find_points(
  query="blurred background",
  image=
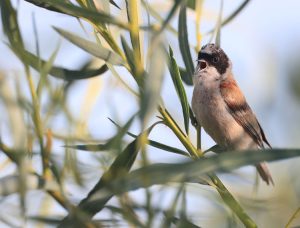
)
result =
(263, 44)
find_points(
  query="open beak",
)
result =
(202, 64)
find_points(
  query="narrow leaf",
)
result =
(158, 144)
(216, 148)
(62, 73)
(294, 216)
(185, 76)
(170, 15)
(130, 60)
(92, 48)
(45, 5)
(218, 26)
(150, 95)
(233, 14)
(113, 143)
(10, 25)
(175, 74)
(76, 11)
(89, 147)
(184, 172)
(115, 4)
(184, 43)
(163, 146)
(191, 4)
(120, 167)
(128, 215)
(129, 54)
(183, 222)
(46, 219)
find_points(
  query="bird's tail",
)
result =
(264, 172)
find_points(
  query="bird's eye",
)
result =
(216, 59)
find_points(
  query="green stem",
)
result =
(37, 123)
(292, 218)
(180, 135)
(232, 202)
(227, 197)
(133, 17)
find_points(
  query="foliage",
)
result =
(146, 66)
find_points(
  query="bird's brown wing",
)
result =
(241, 111)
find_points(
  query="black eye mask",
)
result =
(218, 59)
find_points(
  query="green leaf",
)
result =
(113, 143)
(218, 26)
(184, 43)
(129, 54)
(128, 215)
(76, 11)
(120, 167)
(186, 171)
(183, 222)
(115, 4)
(12, 31)
(92, 48)
(163, 146)
(89, 147)
(169, 213)
(10, 25)
(158, 144)
(46, 219)
(55, 220)
(185, 76)
(62, 73)
(294, 216)
(191, 4)
(150, 93)
(233, 14)
(45, 5)
(216, 148)
(44, 70)
(130, 60)
(175, 74)
(170, 15)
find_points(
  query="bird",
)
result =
(221, 108)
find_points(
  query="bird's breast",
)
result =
(211, 112)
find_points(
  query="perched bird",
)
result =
(221, 108)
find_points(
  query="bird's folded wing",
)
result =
(241, 111)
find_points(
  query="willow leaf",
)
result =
(170, 15)
(92, 48)
(186, 171)
(184, 43)
(63, 73)
(162, 146)
(150, 93)
(120, 167)
(175, 74)
(78, 12)
(114, 143)
(233, 14)
(185, 76)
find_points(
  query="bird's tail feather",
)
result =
(264, 172)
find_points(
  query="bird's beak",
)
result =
(202, 64)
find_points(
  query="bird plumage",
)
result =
(221, 108)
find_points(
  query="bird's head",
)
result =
(213, 63)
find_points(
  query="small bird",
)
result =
(221, 108)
